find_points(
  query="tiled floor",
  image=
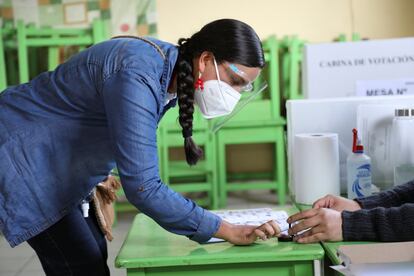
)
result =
(22, 260)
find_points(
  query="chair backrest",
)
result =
(342, 37)
(169, 123)
(31, 36)
(292, 55)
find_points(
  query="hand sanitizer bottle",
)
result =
(358, 170)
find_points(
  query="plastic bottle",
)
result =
(403, 147)
(358, 170)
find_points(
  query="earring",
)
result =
(199, 83)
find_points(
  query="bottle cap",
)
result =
(359, 148)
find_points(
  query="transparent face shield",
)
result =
(256, 89)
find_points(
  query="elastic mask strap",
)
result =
(215, 66)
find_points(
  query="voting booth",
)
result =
(360, 68)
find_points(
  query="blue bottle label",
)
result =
(362, 184)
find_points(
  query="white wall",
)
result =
(312, 20)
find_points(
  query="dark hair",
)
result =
(229, 40)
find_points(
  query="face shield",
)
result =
(247, 95)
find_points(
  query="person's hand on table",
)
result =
(337, 203)
(247, 234)
(321, 224)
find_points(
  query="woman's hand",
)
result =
(247, 234)
(321, 224)
(337, 203)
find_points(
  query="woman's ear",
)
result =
(203, 60)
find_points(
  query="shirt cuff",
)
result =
(356, 226)
(368, 202)
(208, 226)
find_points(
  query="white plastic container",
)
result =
(359, 177)
(403, 146)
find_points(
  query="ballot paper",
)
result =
(253, 217)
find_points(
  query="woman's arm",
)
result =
(131, 102)
(391, 198)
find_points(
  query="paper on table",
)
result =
(254, 217)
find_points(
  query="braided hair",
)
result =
(185, 94)
(228, 40)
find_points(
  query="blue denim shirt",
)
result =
(61, 133)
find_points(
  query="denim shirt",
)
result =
(61, 134)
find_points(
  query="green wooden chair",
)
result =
(177, 173)
(10, 52)
(3, 79)
(258, 122)
(292, 54)
(342, 37)
(30, 36)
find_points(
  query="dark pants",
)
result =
(73, 246)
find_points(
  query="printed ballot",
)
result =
(253, 217)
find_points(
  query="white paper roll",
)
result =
(316, 166)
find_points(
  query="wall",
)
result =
(312, 20)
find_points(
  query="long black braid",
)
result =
(185, 94)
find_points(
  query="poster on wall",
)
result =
(26, 10)
(133, 17)
(121, 17)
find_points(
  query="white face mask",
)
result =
(217, 99)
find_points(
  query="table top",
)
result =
(149, 245)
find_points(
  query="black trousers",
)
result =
(73, 246)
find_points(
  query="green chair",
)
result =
(3, 79)
(10, 51)
(177, 173)
(258, 122)
(342, 37)
(292, 49)
(30, 36)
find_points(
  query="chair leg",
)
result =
(53, 58)
(214, 194)
(22, 53)
(3, 80)
(281, 167)
(222, 179)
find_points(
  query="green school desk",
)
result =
(150, 250)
